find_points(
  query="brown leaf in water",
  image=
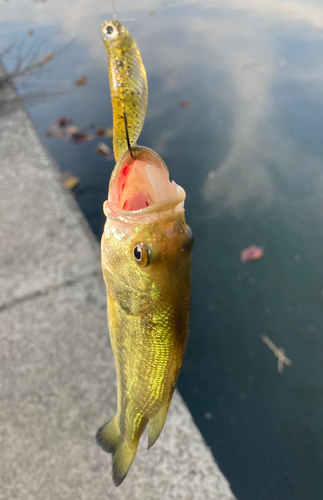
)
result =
(60, 133)
(109, 132)
(100, 131)
(81, 81)
(185, 104)
(70, 181)
(80, 136)
(102, 149)
(30, 32)
(63, 121)
(251, 254)
(72, 130)
(46, 58)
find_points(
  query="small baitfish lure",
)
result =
(128, 85)
(146, 253)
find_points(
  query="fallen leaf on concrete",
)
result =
(251, 254)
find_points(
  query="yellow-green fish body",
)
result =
(128, 85)
(146, 261)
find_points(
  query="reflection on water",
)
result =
(249, 152)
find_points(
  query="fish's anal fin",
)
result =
(156, 424)
(108, 437)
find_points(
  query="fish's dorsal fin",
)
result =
(156, 424)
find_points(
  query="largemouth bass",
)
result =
(146, 260)
(128, 85)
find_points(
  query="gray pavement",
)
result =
(57, 376)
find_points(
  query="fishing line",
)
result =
(114, 11)
(127, 134)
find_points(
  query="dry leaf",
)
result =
(46, 58)
(70, 181)
(102, 149)
(81, 81)
(109, 132)
(100, 131)
(185, 104)
(63, 121)
(251, 254)
(78, 137)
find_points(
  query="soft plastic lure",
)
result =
(128, 85)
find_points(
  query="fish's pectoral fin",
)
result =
(108, 437)
(156, 424)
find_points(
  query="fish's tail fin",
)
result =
(123, 453)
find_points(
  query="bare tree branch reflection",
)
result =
(29, 64)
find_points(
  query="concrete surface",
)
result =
(57, 377)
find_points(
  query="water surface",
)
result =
(249, 153)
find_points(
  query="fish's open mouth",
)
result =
(142, 183)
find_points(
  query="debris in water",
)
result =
(81, 136)
(279, 353)
(30, 32)
(251, 254)
(70, 181)
(81, 81)
(72, 130)
(109, 132)
(152, 12)
(185, 104)
(103, 149)
(64, 121)
(100, 131)
(56, 128)
(172, 72)
(46, 58)
(208, 415)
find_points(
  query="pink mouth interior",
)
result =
(141, 184)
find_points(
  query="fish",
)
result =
(128, 86)
(146, 253)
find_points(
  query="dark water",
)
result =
(249, 153)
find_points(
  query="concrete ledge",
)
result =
(57, 377)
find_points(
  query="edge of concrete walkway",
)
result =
(57, 376)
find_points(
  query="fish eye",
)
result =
(141, 254)
(109, 32)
